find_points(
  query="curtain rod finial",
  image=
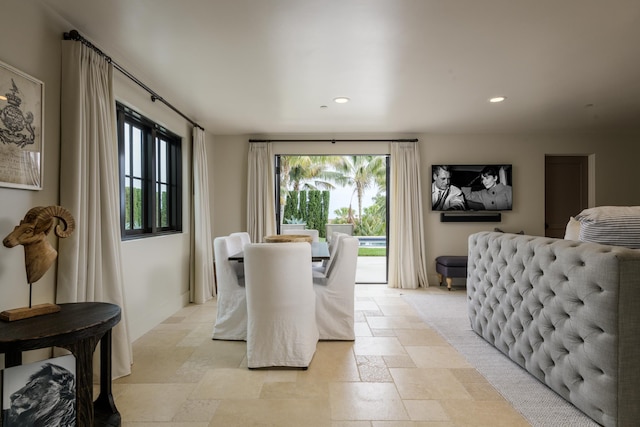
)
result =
(72, 35)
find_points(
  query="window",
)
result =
(150, 176)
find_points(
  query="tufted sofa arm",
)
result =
(567, 312)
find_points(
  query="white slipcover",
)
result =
(231, 319)
(334, 292)
(307, 232)
(235, 244)
(325, 267)
(244, 236)
(281, 329)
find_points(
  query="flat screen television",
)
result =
(471, 188)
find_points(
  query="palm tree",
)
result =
(359, 172)
(343, 216)
(305, 172)
(299, 173)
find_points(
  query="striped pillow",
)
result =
(611, 225)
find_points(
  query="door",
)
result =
(566, 191)
(367, 216)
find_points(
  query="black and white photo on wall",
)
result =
(40, 394)
(468, 188)
(21, 129)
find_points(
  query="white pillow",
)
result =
(611, 225)
(573, 229)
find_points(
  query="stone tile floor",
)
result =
(398, 372)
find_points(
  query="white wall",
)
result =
(156, 270)
(228, 192)
(30, 42)
(615, 161)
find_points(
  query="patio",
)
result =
(371, 269)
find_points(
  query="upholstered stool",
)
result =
(450, 266)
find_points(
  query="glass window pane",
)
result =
(137, 204)
(157, 160)
(137, 152)
(127, 149)
(127, 205)
(162, 200)
(163, 160)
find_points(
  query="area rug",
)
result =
(446, 312)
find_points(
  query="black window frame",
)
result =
(152, 136)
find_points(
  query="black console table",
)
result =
(78, 328)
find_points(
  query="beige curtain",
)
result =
(89, 262)
(261, 211)
(407, 257)
(202, 281)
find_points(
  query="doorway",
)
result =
(345, 193)
(566, 191)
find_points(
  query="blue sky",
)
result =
(340, 199)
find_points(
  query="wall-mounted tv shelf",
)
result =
(470, 217)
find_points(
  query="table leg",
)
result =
(12, 358)
(105, 408)
(83, 351)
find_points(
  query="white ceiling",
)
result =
(409, 66)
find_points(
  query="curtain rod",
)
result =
(74, 35)
(333, 141)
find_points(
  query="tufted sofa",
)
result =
(566, 311)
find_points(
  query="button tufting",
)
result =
(532, 294)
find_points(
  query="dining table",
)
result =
(319, 252)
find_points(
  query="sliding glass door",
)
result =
(338, 193)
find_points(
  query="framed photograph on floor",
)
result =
(40, 394)
(21, 129)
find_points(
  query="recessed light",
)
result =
(341, 100)
(497, 99)
(323, 106)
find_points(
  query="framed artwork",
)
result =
(40, 394)
(21, 129)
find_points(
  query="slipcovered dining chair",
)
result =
(335, 292)
(321, 269)
(244, 236)
(315, 236)
(231, 318)
(281, 328)
(236, 242)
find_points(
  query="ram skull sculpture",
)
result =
(32, 233)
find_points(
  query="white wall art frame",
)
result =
(21, 129)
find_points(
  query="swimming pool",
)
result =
(373, 241)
